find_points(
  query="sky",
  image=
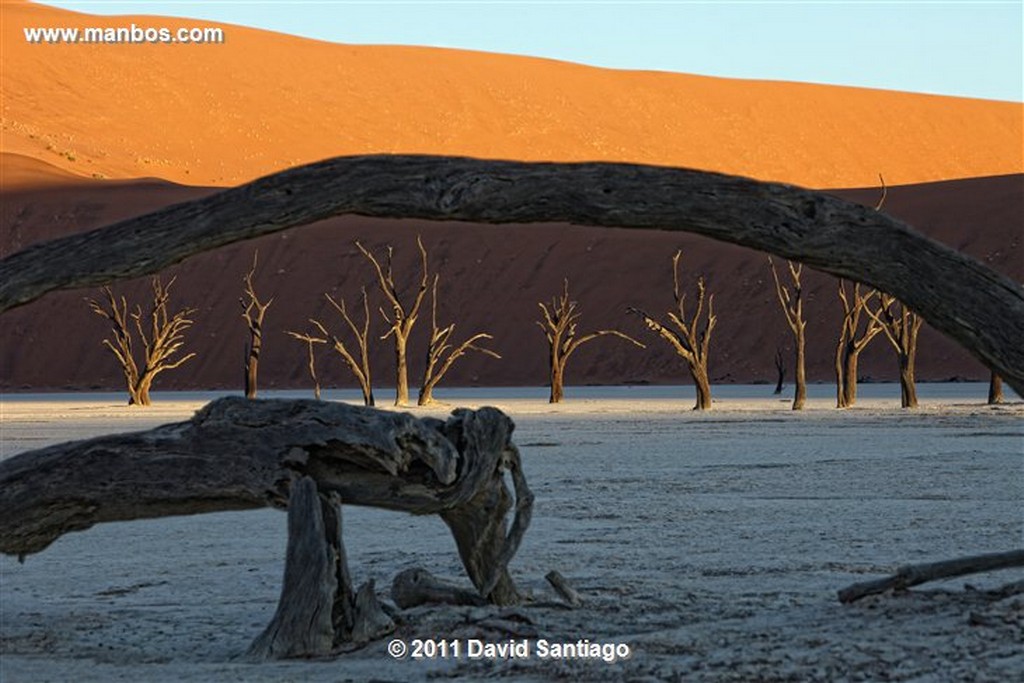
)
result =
(969, 48)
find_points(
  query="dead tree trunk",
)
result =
(440, 344)
(780, 372)
(995, 389)
(852, 341)
(318, 611)
(253, 311)
(359, 367)
(793, 309)
(310, 358)
(304, 623)
(240, 454)
(978, 307)
(402, 318)
(559, 327)
(164, 340)
(692, 337)
(901, 329)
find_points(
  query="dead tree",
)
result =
(780, 371)
(253, 311)
(308, 456)
(901, 328)
(164, 339)
(995, 389)
(440, 344)
(691, 337)
(980, 308)
(559, 327)
(916, 574)
(852, 340)
(793, 308)
(403, 317)
(359, 366)
(311, 357)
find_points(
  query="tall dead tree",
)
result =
(559, 327)
(901, 327)
(995, 389)
(253, 311)
(358, 365)
(311, 357)
(780, 371)
(159, 346)
(793, 308)
(440, 344)
(691, 337)
(403, 317)
(852, 340)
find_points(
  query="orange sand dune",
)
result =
(223, 114)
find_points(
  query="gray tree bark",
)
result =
(239, 454)
(916, 574)
(957, 295)
(303, 625)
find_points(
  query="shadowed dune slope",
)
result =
(221, 114)
(491, 278)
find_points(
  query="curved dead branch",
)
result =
(978, 307)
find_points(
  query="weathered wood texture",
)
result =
(416, 586)
(981, 309)
(238, 454)
(916, 574)
(562, 587)
(303, 625)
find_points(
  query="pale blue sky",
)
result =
(970, 48)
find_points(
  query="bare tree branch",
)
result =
(559, 328)
(360, 367)
(691, 337)
(311, 358)
(440, 345)
(793, 309)
(164, 340)
(253, 312)
(403, 317)
(901, 328)
(852, 340)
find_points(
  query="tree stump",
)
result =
(304, 624)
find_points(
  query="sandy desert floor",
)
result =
(711, 544)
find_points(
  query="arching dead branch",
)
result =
(976, 306)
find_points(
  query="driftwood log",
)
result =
(308, 456)
(417, 586)
(916, 574)
(981, 309)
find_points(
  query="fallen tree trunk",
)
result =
(236, 454)
(916, 574)
(979, 308)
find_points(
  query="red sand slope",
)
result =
(492, 278)
(223, 114)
